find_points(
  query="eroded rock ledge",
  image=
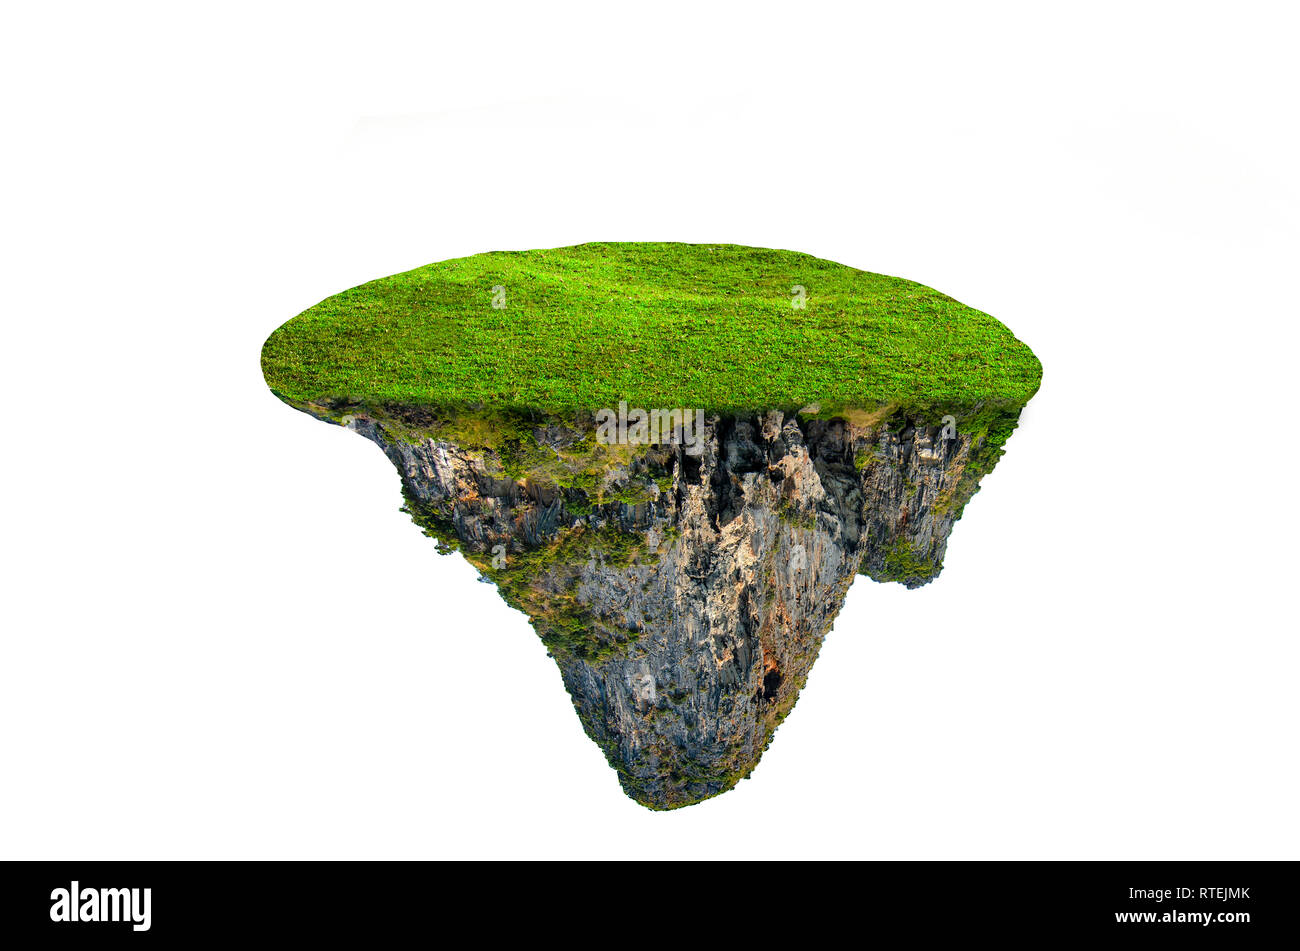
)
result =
(685, 599)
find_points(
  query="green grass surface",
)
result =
(658, 325)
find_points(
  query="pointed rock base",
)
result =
(685, 597)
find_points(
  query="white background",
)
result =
(222, 639)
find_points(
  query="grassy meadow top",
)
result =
(714, 327)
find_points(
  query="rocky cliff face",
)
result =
(685, 598)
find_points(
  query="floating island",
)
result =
(674, 458)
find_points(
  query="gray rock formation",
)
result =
(685, 622)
